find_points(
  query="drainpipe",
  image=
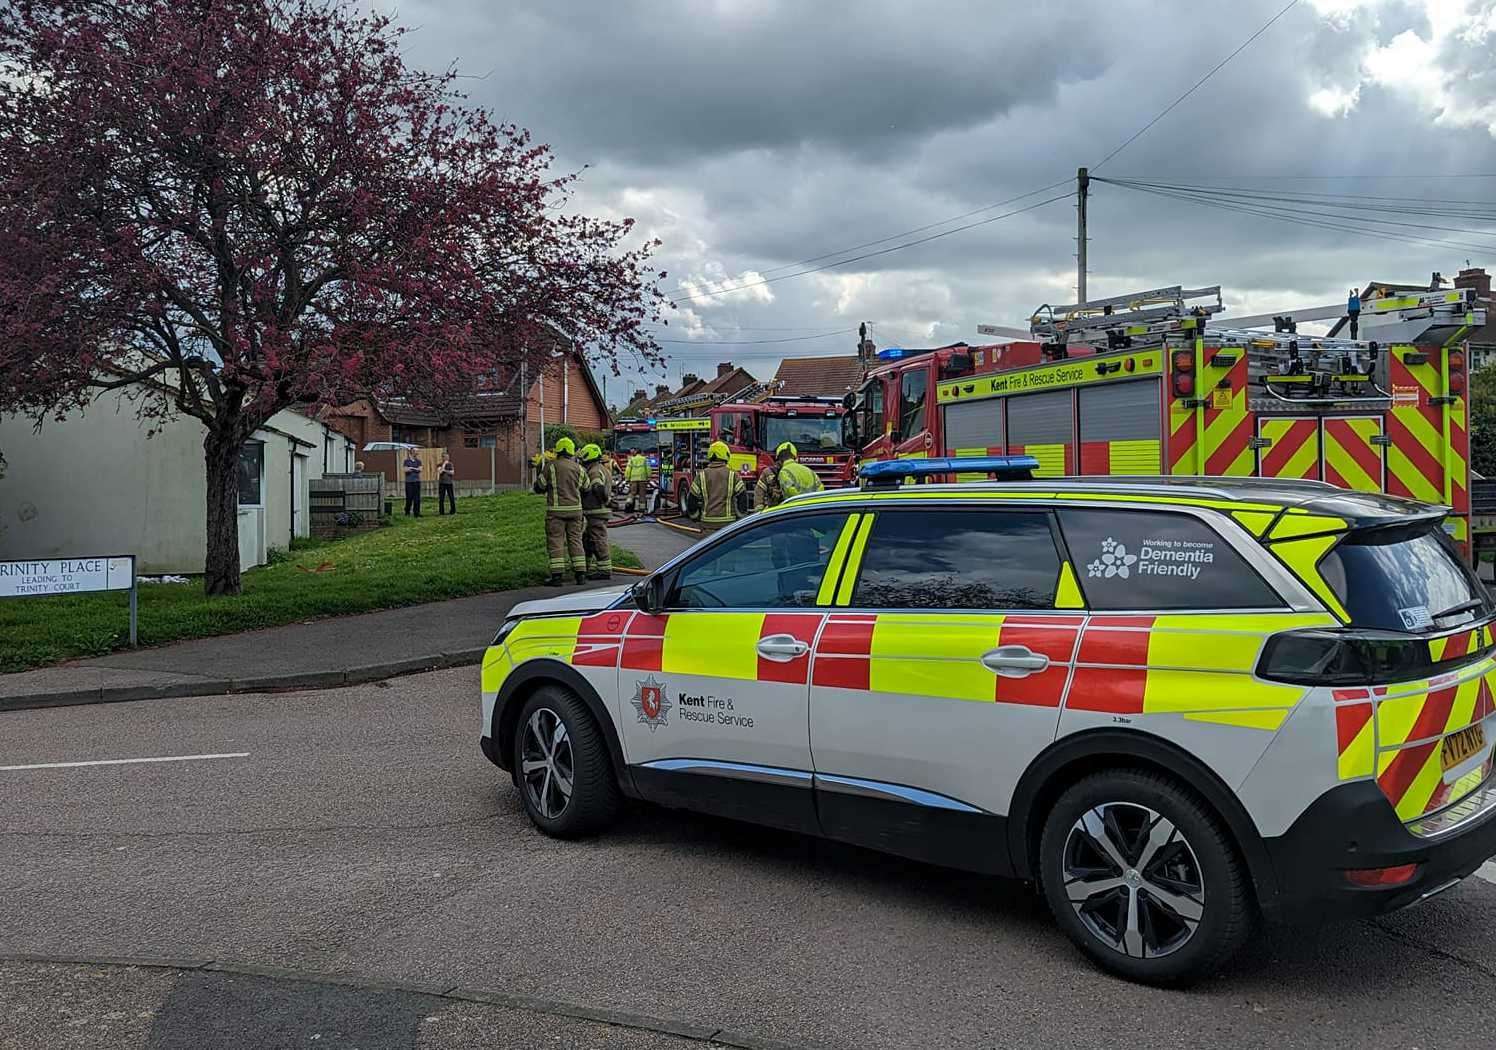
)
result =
(291, 468)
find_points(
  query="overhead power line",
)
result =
(907, 233)
(870, 255)
(1217, 68)
(1307, 178)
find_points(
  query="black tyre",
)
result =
(562, 767)
(1143, 878)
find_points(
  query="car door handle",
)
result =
(782, 648)
(1014, 661)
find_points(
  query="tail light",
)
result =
(1347, 656)
(1183, 379)
(1372, 878)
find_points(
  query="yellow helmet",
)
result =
(719, 450)
(536, 460)
(786, 449)
(591, 451)
(566, 447)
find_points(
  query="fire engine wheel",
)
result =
(562, 768)
(1144, 879)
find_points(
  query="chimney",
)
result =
(661, 390)
(724, 368)
(638, 395)
(1477, 278)
(687, 379)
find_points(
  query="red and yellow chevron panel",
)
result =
(1352, 461)
(1226, 450)
(1419, 463)
(1294, 452)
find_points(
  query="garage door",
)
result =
(1042, 426)
(1119, 428)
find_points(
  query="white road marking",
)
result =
(123, 761)
(1487, 871)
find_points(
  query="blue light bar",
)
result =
(890, 472)
(896, 353)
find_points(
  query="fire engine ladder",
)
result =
(1300, 369)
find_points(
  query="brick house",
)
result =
(490, 435)
(818, 376)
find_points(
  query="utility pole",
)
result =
(1082, 187)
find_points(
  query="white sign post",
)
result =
(39, 577)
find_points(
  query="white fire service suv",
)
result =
(1178, 705)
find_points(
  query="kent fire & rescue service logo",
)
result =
(651, 703)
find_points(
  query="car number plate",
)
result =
(1459, 746)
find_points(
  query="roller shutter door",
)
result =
(1119, 428)
(974, 428)
(1042, 426)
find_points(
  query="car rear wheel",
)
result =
(562, 768)
(1143, 878)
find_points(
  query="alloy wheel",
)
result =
(546, 764)
(1133, 880)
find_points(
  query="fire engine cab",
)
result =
(753, 430)
(1144, 384)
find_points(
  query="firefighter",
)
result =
(597, 492)
(717, 496)
(636, 473)
(560, 479)
(794, 477)
(766, 491)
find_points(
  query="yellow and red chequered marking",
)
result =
(1120, 457)
(1056, 460)
(1198, 666)
(1351, 460)
(1294, 452)
(937, 655)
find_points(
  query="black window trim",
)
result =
(936, 507)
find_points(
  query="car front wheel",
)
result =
(1143, 878)
(562, 767)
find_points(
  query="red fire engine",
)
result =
(1140, 384)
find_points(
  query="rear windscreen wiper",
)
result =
(1470, 606)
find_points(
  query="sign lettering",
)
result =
(1083, 371)
(22, 579)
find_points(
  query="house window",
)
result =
(406, 435)
(480, 441)
(251, 473)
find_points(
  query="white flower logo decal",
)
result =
(1114, 561)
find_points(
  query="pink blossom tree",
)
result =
(236, 206)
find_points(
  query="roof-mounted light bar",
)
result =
(890, 473)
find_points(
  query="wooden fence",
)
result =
(345, 502)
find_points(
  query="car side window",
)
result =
(958, 559)
(912, 404)
(775, 565)
(1147, 560)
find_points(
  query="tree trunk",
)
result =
(221, 564)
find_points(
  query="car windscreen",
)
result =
(1404, 579)
(636, 441)
(808, 433)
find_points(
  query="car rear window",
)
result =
(1404, 580)
(1147, 560)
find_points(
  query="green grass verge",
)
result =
(496, 543)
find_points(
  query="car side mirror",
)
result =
(649, 595)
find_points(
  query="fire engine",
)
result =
(753, 430)
(1143, 384)
(632, 435)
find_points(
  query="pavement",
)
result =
(349, 862)
(315, 654)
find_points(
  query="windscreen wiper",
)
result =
(1453, 610)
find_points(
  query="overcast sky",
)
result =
(750, 134)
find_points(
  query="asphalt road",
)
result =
(360, 835)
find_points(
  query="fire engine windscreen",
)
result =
(646, 441)
(807, 433)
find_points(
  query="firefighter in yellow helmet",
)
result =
(717, 496)
(560, 480)
(636, 473)
(794, 477)
(597, 508)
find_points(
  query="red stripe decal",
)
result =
(799, 625)
(1119, 691)
(1095, 457)
(1046, 688)
(842, 654)
(598, 637)
(1126, 647)
(644, 644)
